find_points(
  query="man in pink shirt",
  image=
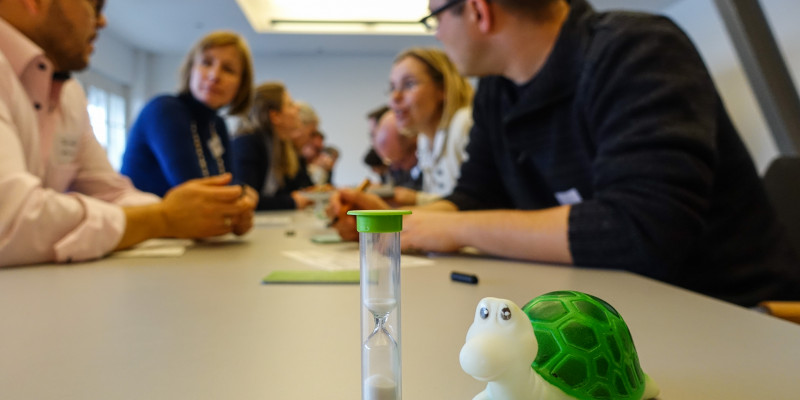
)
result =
(60, 199)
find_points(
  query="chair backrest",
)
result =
(782, 182)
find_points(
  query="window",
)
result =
(108, 112)
(107, 116)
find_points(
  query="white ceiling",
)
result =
(172, 26)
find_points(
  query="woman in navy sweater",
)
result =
(264, 156)
(181, 137)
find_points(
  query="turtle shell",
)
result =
(585, 348)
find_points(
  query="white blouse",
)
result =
(440, 160)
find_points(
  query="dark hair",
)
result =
(372, 159)
(536, 9)
(331, 151)
(317, 133)
(377, 113)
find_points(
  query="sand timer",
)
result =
(379, 237)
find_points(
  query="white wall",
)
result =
(115, 63)
(700, 19)
(114, 58)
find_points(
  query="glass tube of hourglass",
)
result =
(380, 316)
(379, 237)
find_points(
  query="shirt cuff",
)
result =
(97, 235)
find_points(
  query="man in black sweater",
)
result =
(601, 141)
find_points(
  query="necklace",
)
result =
(216, 152)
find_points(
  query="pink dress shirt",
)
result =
(60, 199)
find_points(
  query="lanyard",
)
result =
(215, 146)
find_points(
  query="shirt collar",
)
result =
(18, 49)
(428, 151)
(199, 109)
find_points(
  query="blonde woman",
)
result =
(181, 137)
(264, 156)
(429, 97)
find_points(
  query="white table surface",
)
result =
(202, 326)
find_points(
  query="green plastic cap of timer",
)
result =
(379, 221)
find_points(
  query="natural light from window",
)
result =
(107, 116)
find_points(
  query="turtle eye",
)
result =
(505, 314)
(484, 313)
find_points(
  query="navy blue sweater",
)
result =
(252, 162)
(161, 153)
(624, 123)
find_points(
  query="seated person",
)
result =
(373, 117)
(399, 151)
(321, 169)
(600, 141)
(313, 147)
(64, 202)
(430, 98)
(378, 166)
(371, 158)
(311, 152)
(182, 137)
(264, 155)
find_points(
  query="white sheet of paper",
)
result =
(272, 220)
(156, 248)
(335, 260)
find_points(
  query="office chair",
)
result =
(782, 183)
(787, 310)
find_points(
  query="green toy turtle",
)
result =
(561, 345)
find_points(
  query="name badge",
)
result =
(215, 146)
(65, 149)
(570, 197)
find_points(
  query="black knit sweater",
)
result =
(624, 122)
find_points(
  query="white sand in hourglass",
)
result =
(379, 387)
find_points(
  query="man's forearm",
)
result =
(540, 235)
(440, 205)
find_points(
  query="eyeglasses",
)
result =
(405, 86)
(431, 22)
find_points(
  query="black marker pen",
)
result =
(463, 277)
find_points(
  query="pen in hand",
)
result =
(343, 211)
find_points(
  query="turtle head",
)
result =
(500, 337)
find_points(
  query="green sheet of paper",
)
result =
(327, 238)
(313, 276)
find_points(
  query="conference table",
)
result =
(203, 326)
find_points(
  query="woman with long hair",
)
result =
(431, 99)
(181, 137)
(264, 155)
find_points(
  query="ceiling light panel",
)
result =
(348, 16)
